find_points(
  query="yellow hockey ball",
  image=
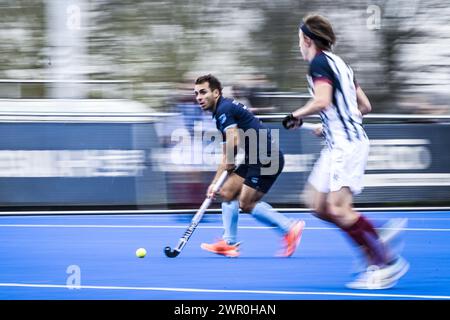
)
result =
(141, 252)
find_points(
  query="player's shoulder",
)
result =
(321, 60)
(320, 57)
(229, 105)
(334, 58)
(320, 68)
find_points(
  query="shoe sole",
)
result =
(299, 238)
(300, 233)
(229, 253)
(372, 287)
(383, 284)
(391, 282)
(387, 238)
(404, 269)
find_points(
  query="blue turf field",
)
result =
(36, 252)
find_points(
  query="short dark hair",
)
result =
(214, 83)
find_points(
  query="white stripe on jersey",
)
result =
(342, 120)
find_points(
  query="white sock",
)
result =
(230, 216)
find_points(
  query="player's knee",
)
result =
(321, 214)
(319, 208)
(247, 206)
(307, 201)
(315, 203)
(337, 211)
(227, 195)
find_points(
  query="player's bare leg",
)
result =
(317, 201)
(381, 273)
(340, 208)
(232, 187)
(250, 202)
(359, 229)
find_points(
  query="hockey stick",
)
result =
(195, 220)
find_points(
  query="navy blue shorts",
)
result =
(255, 175)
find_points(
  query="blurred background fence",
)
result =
(399, 49)
(89, 89)
(139, 160)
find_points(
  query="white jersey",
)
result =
(342, 119)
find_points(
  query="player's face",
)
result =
(205, 97)
(302, 45)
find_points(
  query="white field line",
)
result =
(181, 227)
(229, 291)
(192, 211)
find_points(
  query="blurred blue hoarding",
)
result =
(125, 163)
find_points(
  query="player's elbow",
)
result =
(363, 102)
(365, 108)
(321, 104)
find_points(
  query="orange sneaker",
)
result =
(222, 248)
(292, 238)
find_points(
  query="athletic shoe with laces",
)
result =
(376, 278)
(292, 238)
(223, 248)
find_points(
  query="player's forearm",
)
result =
(230, 147)
(364, 105)
(229, 153)
(228, 158)
(365, 109)
(313, 106)
(219, 172)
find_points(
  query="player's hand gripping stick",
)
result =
(291, 122)
(195, 220)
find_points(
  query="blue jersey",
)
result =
(230, 113)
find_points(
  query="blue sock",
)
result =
(230, 216)
(266, 214)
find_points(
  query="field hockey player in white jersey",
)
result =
(338, 173)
